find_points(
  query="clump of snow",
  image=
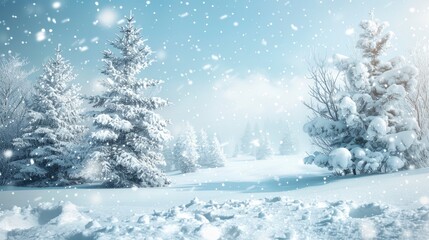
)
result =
(394, 163)
(21, 222)
(70, 214)
(209, 232)
(377, 127)
(358, 153)
(17, 218)
(340, 158)
(400, 141)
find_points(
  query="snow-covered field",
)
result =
(280, 198)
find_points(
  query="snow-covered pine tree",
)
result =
(215, 155)
(287, 146)
(185, 151)
(246, 140)
(264, 150)
(54, 126)
(203, 149)
(129, 135)
(375, 129)
(170, 161)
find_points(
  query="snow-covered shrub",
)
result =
(14, 92)
(368, 117)
(419, 102)
(54, 126)
(128, 138)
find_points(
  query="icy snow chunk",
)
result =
(209, 232)
(394, 163)
(340, 158)
(366, 210)
(17, 218)
(145, 219)
(70, 214)
(92, 224)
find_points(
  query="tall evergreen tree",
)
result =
(128, 138)
(54, 125)
(185, 151)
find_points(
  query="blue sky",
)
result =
(224, 62)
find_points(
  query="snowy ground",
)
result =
(270, 199)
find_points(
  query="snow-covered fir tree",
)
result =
(170, 161)
(375, 129)
(264, 149)
(129, 135)
(246, 140)
(215, 155)
(287, 146)
(203, 149)
(186, 151)
(54, 126)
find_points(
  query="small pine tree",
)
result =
(286, 146)
(203, 149)
(264, 150)
(54, 125)
(185, 151)
(129, 136)
(246, 140)
(216, 157)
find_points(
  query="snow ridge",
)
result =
(269, 218)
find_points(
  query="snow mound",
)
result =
(20, 223)
(269, 218)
